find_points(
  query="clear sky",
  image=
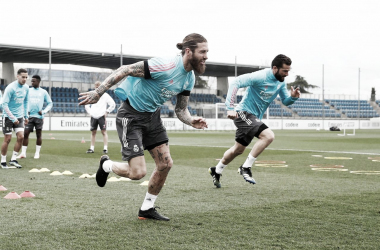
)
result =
(342, 35)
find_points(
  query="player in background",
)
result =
(148, 85)
(37, 97)
(262, 88)
(15, 110)
(98, 112)
(1, 100)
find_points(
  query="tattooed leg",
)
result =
(135, 169)
(164, 162)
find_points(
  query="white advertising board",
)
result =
(173, 124)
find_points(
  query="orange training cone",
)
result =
(2, 188)
(12, 195)
(27, 194)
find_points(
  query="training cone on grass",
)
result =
(56, 173)
(2, 188)
(83, 141)
(83, 176)
(113, 179)
(12, 196)
(67, 172)
(27, 194)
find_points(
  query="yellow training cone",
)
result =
(44, 170)
(34, 170)
(145, 183)
(85, 176)
(56, 173)
(113, 179)
(67, 172)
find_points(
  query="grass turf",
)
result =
(292, 207)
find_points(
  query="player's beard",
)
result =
(279, 77)
(198, 66)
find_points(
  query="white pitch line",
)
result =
(280, 149)
(284, 149)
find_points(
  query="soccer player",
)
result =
(262, 88)
(15, 110)
(148, 85)
(98, 112)
(37, 97)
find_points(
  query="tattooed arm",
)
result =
(136, 69)
(184, 116)
(181, 110)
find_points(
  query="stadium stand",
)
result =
(351, 108)
(313, 108)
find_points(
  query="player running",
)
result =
(148, 85)
(262, 88)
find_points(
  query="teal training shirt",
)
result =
(167, 77)
(37, 97)
(15, 101)
(262, 89)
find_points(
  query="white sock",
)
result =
(148, 201)
(107, 166)
(105, 148)
(219, 168)
(38, 148)
(23, 150)
(3, 158)
(92, 148)
(249, 162)
(14, 155)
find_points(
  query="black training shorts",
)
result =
(34, 122)
(139, 131)
(248, 126)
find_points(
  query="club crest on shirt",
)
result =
(168, 93)
(186, 84)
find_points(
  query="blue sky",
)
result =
(342, 35)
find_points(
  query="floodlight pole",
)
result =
(236, 76)
(359, 97)
(121, 55)
(323, 96)
(50, 81)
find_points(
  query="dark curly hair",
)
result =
(191, 41)
(280, 59)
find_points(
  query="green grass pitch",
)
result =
(291, 207)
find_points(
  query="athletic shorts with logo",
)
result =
(248, 126)
(139, 131)
(34, 122)
(8, 125)
(101, 122)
